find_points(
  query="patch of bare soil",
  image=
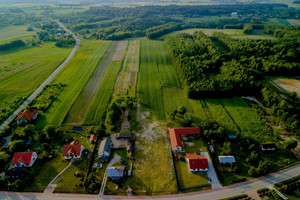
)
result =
(119, 53)
(293, 22)
(289, 85)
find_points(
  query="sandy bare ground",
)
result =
(293, 21)
(86, 96)
(127, 77)
(289, 85)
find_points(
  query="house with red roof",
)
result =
(73, 150)
(196, 163)
(93, 138)
(25, 159)
(175, 137)
(26, 116)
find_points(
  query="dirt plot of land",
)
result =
(84, 99)
(293, 22)
(127, 77)
(289, 85)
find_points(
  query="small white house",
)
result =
(73, 150)
(105, 149)
(25, 159)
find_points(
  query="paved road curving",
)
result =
(213, 194)
(46, 82)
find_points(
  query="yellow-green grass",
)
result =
(187, 179)
(155, 72)
(277, 21)
(48, 171)
(13, 32)
(97, 108)
(75, 75)
(153, 172)
(198, 144)
(209, 32)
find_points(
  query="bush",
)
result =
(181, 109)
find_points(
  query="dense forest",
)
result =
(113, 23)
(220, 65)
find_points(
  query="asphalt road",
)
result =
(213, 194)
(45, 83)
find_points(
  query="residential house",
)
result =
(268, 147)
(27, 116)
(227, 160)
(25, 159)
(116, 174)
(93, 138)
(175, 137)
(73, 150)
(197, 163)
(105, 149)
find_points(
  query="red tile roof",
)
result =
(176, 132)
(93, 137)
(24, 157)
(197, 161)
(74, 148)
(27, 114)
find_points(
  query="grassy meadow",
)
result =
(75, 75)
(10, 33)
(22, 70)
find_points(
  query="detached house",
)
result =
(175, 137)
(27, 116)
(73, 150)
(105, 150)
(116, 173)
(196, 163)
(25, 159)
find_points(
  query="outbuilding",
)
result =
(227, 160)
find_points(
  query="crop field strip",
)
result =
(75, 75)
(155, 72)
(127, 77)
(97, 108)
(14, 32)
(80, 106)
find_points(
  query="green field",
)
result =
(22, 70)
(97, 108)
(277, 21)
(15, 32)
(75, 75)
(155, 72)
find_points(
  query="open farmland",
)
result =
(14, 32)
(75, 75)
(288, 85)
(22, 70)
(127, 77)
(156, 71)
(86, 96)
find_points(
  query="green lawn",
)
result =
(96, 110)
(49, 170)
(187, 179)
(75, 75)
(195, 145)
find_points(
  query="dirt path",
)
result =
(255, 100)
(80, 106)
(46, 82)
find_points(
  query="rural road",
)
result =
(45, 83)
(214, 194)
(113, 161)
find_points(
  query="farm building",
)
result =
(116, 173)
(27, 116)
(25, 159)
(93, 138)
(105, 149)
(124, 136)
(268, 147)
(175, 137)
(196, 163)
(227, 160)
(73, 150)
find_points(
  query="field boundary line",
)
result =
(235, 123)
